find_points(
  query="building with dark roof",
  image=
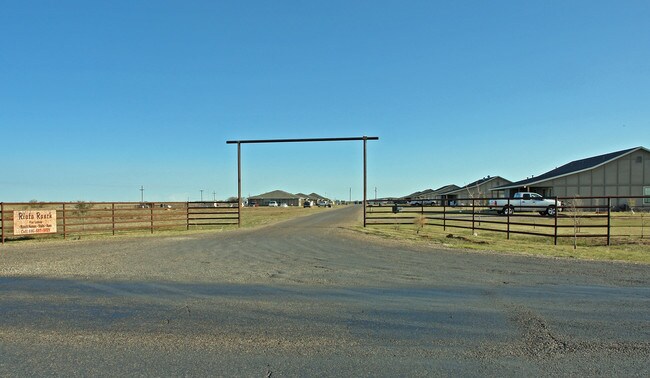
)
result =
(430, 194)
(481, 188)
(278, 196)
(621, 173)
(282, 197)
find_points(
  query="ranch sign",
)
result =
(34, 222)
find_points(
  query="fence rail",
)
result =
(576, 217)
(78, 218)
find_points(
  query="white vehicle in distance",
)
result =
(526, 201)
(422, 202)
(323, 203)
(273, 204)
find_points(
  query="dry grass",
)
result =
(635, 249)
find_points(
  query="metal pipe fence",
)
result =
(83, 218)
(575, 217)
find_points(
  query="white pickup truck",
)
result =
(526, 201)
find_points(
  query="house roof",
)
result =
(316, 196)
(573, 167)
(282, 195)
(476, 183)
(431, 192)
(276, 194)
(418, 194)
(446, 189)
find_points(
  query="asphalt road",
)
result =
(309, 298)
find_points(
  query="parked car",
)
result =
(284, 204)
(526, 201)
(422, 202)
(308, 204)
(323, 203)
(273, 204)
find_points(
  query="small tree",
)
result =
(420, 222)
(632, 204)
(82, 209)
(576, 216)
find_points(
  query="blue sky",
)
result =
(99, 98)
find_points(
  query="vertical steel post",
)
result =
(609, 217)
(557, 208)
(239, 199)
(473, 217)
(444, 214)
(64, 221)
(508, 219)
(2, 220)
(365, 181)
(151, 215)
(113, 217)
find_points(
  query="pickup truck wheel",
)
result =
(550, 211)
(508, 210)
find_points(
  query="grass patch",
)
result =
(632, 250)
(261, 216)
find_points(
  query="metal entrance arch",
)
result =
(364, 138)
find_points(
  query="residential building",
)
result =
(621, 173)
(481, 188)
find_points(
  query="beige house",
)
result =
(621, 173)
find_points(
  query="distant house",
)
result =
(430, 194)
(621, 173)
(421, 195)
(279, 196)
(481, 188)
(441, 193)
(282, 197)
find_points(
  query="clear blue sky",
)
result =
(100, 97)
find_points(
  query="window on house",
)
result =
(646, 192)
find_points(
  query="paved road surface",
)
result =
(308, 298)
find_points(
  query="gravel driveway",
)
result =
(309, 298)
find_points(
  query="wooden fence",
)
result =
(78, 218)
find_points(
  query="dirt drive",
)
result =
(307, 297)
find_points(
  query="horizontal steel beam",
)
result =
(300, 140)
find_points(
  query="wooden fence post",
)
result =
(151, 215)
(113, 217)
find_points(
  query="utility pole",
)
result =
(350, 200)
(375, 193)
(142, 193)
(214, 196)
(201, 195)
